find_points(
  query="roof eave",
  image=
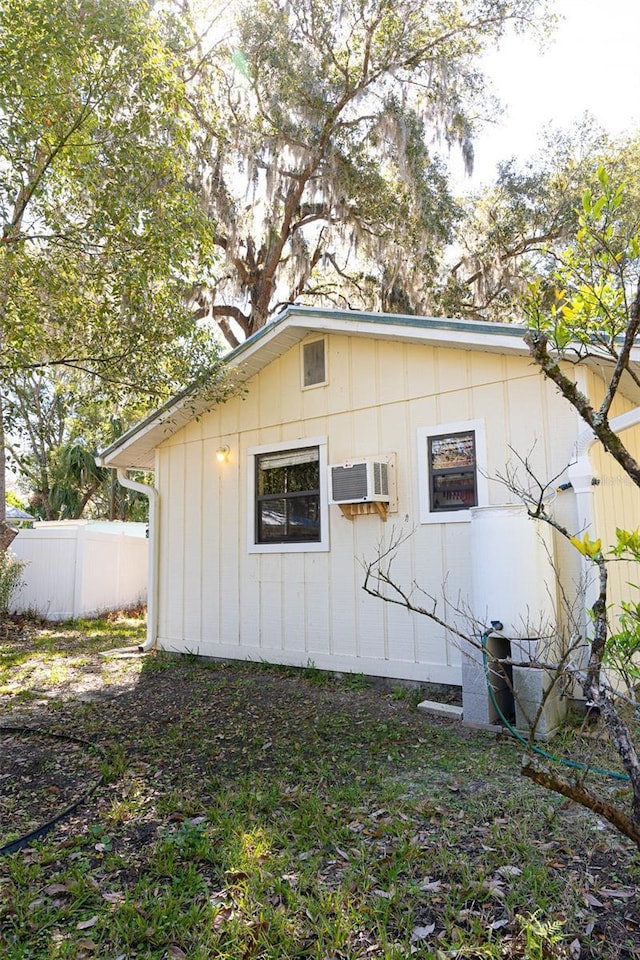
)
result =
(135, 449)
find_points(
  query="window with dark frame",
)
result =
(313, 364)
(288, 496)
(452, 472)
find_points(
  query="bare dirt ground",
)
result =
(171, 735)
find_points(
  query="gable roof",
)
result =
(135, 448)
(16, 513)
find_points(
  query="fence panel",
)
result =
(81, 568)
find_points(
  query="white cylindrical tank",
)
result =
(513, 579)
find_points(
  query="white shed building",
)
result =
(353, 427)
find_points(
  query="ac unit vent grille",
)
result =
(359, 481)
(349, 483)
(381, 479)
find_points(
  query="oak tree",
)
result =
(99, 227)
(320, 123)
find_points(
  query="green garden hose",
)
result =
(575, 764)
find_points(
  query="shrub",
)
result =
(11, 570)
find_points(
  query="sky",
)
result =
(591, 65)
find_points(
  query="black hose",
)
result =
(21, 842)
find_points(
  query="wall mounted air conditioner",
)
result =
(359, 481)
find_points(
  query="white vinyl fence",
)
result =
(78, 568)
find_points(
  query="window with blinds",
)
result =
(287, 491)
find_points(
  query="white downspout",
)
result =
(152, 578)
(581, 477)
(580, 473)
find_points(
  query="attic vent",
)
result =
(314, 371)
(359, 481)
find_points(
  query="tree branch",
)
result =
(537, 343)
(581, 794)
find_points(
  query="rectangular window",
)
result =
(452, 471)
(287, 494)
(314, 371)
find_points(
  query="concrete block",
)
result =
(473, 673)
(530, 684)
(477, 708)
(441, 709)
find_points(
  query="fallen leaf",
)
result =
(175, 952)
(495, 887)
(432, 886)
(54, 888)
(307, 854)
(221, 917)
(623, 893)
(87, 945)
(575, 949)
(591, 900)
(86, 924)
(421, 933)
(113, 897)
(497, 924)
(508, 871)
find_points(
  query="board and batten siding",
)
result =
(616, 500)
(218, 599)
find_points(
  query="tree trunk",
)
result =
(7, 533)
(3, 468)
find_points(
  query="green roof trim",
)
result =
(395, 319)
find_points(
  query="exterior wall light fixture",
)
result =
(222, 454)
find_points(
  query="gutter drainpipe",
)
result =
(581, 477)
(152, 578)
(581, 472)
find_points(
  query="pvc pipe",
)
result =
(581, 476)
(152, 579)
(581, 472)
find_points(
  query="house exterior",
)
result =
(352, 429)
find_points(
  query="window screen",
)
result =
(452, 471)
